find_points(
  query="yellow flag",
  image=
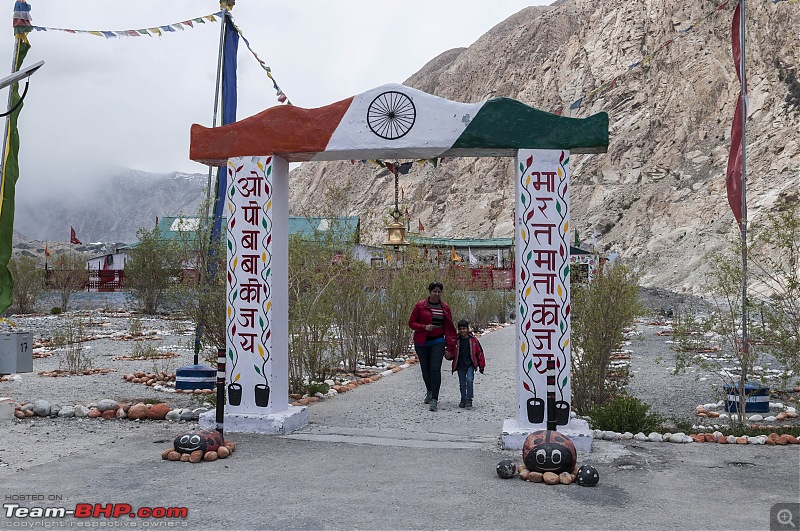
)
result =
(453, 256)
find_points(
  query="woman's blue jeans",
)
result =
(465, 379)
(430, 361)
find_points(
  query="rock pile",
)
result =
(342, 386)
(170, 454)
(107, 409)
(64, 372)
(681, 438)
(548, 478)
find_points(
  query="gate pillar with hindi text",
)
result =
(543, 360)
(257, 305)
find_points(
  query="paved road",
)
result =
(375, 458)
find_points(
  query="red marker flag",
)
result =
(733, 175)
(421, 228)
(73, 238)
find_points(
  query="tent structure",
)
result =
(395, 122)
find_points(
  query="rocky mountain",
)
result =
(658, 196)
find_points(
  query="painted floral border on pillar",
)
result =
(249, 284)
(543, 284)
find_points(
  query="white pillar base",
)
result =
(280, 423)
(577, 430)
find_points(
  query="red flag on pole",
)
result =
(73, 238)
(421, 228)
(733, 175)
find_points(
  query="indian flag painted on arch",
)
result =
(395, 121)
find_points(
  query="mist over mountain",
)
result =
(109, 208)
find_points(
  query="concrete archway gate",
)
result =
(394, 122)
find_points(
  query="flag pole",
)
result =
(745, 337)
(204, 221)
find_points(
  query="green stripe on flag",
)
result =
(8, 186)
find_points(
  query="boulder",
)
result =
(81, 411)
(107, 404)
(158, 412)
(536, 477)
(66, 412)
(138, 411)
(41, 408)
(551, 478)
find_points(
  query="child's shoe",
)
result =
(468, 405)
(462, 404)
(434, 404)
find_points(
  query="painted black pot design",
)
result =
(562, 412)
(535, 410)
(234, 394)
(262, 395)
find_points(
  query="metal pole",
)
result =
(204, 221)
(220, 390)
(745, 337)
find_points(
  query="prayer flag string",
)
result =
(21, 17)
(282, 98)
(155, 30)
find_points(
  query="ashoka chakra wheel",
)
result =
(391, 115)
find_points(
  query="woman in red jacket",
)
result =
(434, 332)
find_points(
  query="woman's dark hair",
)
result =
(434, 285)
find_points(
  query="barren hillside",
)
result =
(658, 195)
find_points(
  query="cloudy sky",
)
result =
(130, 101)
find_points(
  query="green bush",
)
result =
(317, 387)
(625, 413)
(55, 310)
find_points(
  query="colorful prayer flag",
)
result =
(73, 238)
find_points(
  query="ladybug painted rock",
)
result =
(588, 476)
(548, 451)
(205, 440)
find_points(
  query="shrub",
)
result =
(145, 351)
(55, 310)
(602, 310)
(624, 413)
(317, 387)
(28, 283)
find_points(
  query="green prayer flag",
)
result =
(7, 186)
